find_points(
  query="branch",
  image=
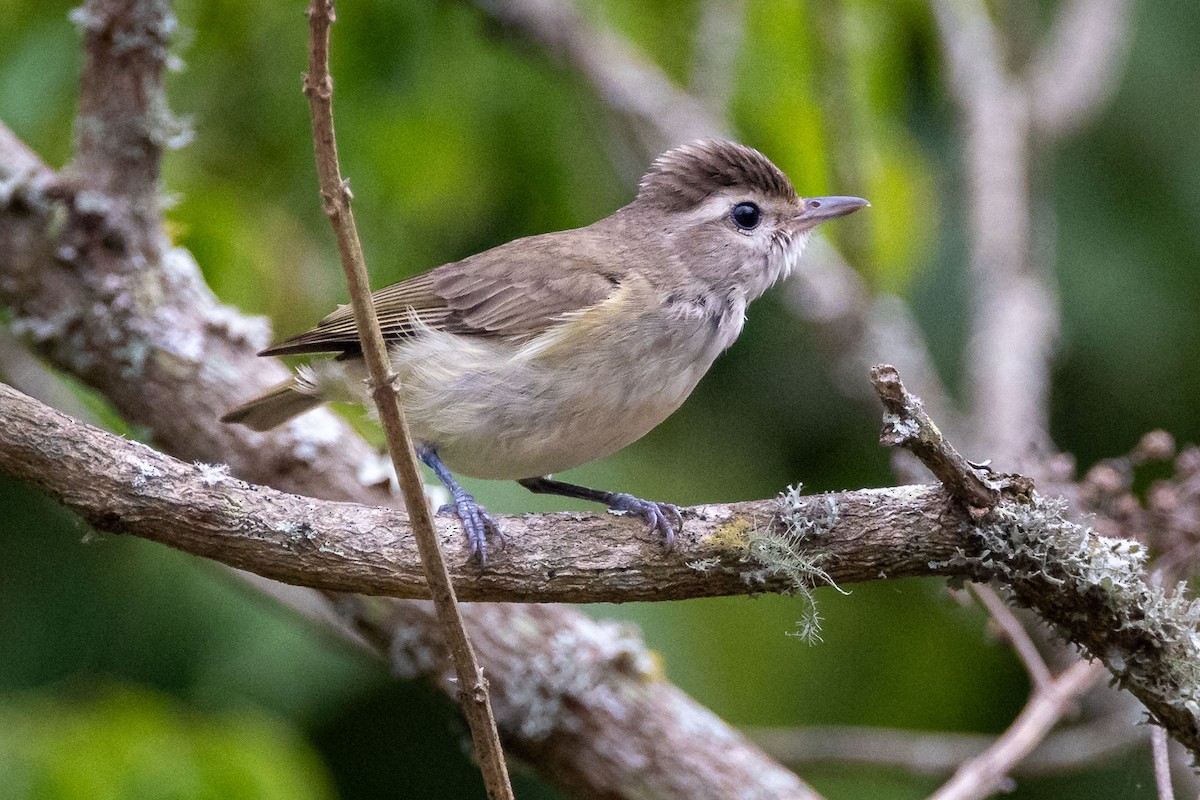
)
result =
(935, 753)
(1077, 70)
(1014, 318)
(984, 775)
(123, 121)
(335, 195)
(1162, 764)
(124, 487)
(1148, 639)
(907, 425)
(1015, 633)
(636, 89)
(1092, 589)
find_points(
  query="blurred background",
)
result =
(128, 670)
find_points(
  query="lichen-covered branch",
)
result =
(124, 487)
(1093, 590)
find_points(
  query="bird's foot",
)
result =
(477, 523)
(662, 518)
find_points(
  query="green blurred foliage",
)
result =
(456, 139)
(123, 744)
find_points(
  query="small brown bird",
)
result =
(555, 350)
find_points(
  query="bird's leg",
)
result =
(477, 522)
(661, 517)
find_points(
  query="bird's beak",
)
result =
(823, 209)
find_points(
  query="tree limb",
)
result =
(985, 774)
(124, 487)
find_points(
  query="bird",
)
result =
(558, 349)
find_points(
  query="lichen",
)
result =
(733, 535)
(785, 548)
(1148, 638)
(212, 474)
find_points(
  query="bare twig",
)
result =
(941, 753)
(335, 195)
(1162, 763)
(984, 775)
(1015, 632)
(907, 425)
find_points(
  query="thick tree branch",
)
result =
(127, 488)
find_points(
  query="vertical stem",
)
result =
(335, 198)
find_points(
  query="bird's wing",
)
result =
(489, 294)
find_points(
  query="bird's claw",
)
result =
(478, 524)
(663, 518)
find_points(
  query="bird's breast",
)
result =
(592, 384)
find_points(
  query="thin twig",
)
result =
(1015, 632)
(1162, 763)
(985, 774)
(335, 195)
(942, 752)
(907, 425)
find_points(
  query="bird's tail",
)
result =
(274, 406)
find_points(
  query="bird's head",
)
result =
(730, 214)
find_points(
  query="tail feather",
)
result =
(273, 407)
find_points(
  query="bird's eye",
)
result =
(746, 216)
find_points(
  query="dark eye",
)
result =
(746, 216)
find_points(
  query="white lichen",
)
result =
(212, 474)
(1152, 638)
(786, 549)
